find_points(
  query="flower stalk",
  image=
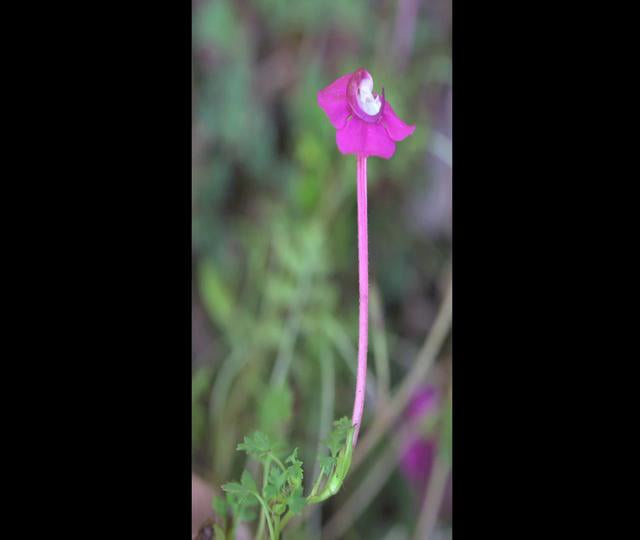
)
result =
(363, 283)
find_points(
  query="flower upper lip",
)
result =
(353, 96)
(353, 89)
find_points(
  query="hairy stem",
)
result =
(363, 280)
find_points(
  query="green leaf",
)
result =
(219, 506)
(277, 477)
(296, 501)
(327, 463)
(293, 458)
(242, 496)
(294, 473)
(241, 504)
(233, 487)
(257, 445)
(338, 436)
(279, 508)
(248, 482)
(245, 513)
(270, 492)
(343, 463)
(275, 483)
(243, 492)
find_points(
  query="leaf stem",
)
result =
(316, 487)
(363, 281)
(265, 479)
(285, 520)
(265, 508)
(277, 461)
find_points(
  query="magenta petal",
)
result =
(378, 142)
(362, 138)
(333, 101)
(396, 128)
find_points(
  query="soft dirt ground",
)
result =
(201, 495)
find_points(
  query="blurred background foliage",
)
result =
(274, 308)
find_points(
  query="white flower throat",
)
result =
(369, 104)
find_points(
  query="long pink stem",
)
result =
(363, 280)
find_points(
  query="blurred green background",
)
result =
(274, 245)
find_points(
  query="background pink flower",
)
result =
(420, 451)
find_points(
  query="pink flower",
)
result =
(417, 461)
(420, 451)
(423, 402)
(366, 126)
(365, 122)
